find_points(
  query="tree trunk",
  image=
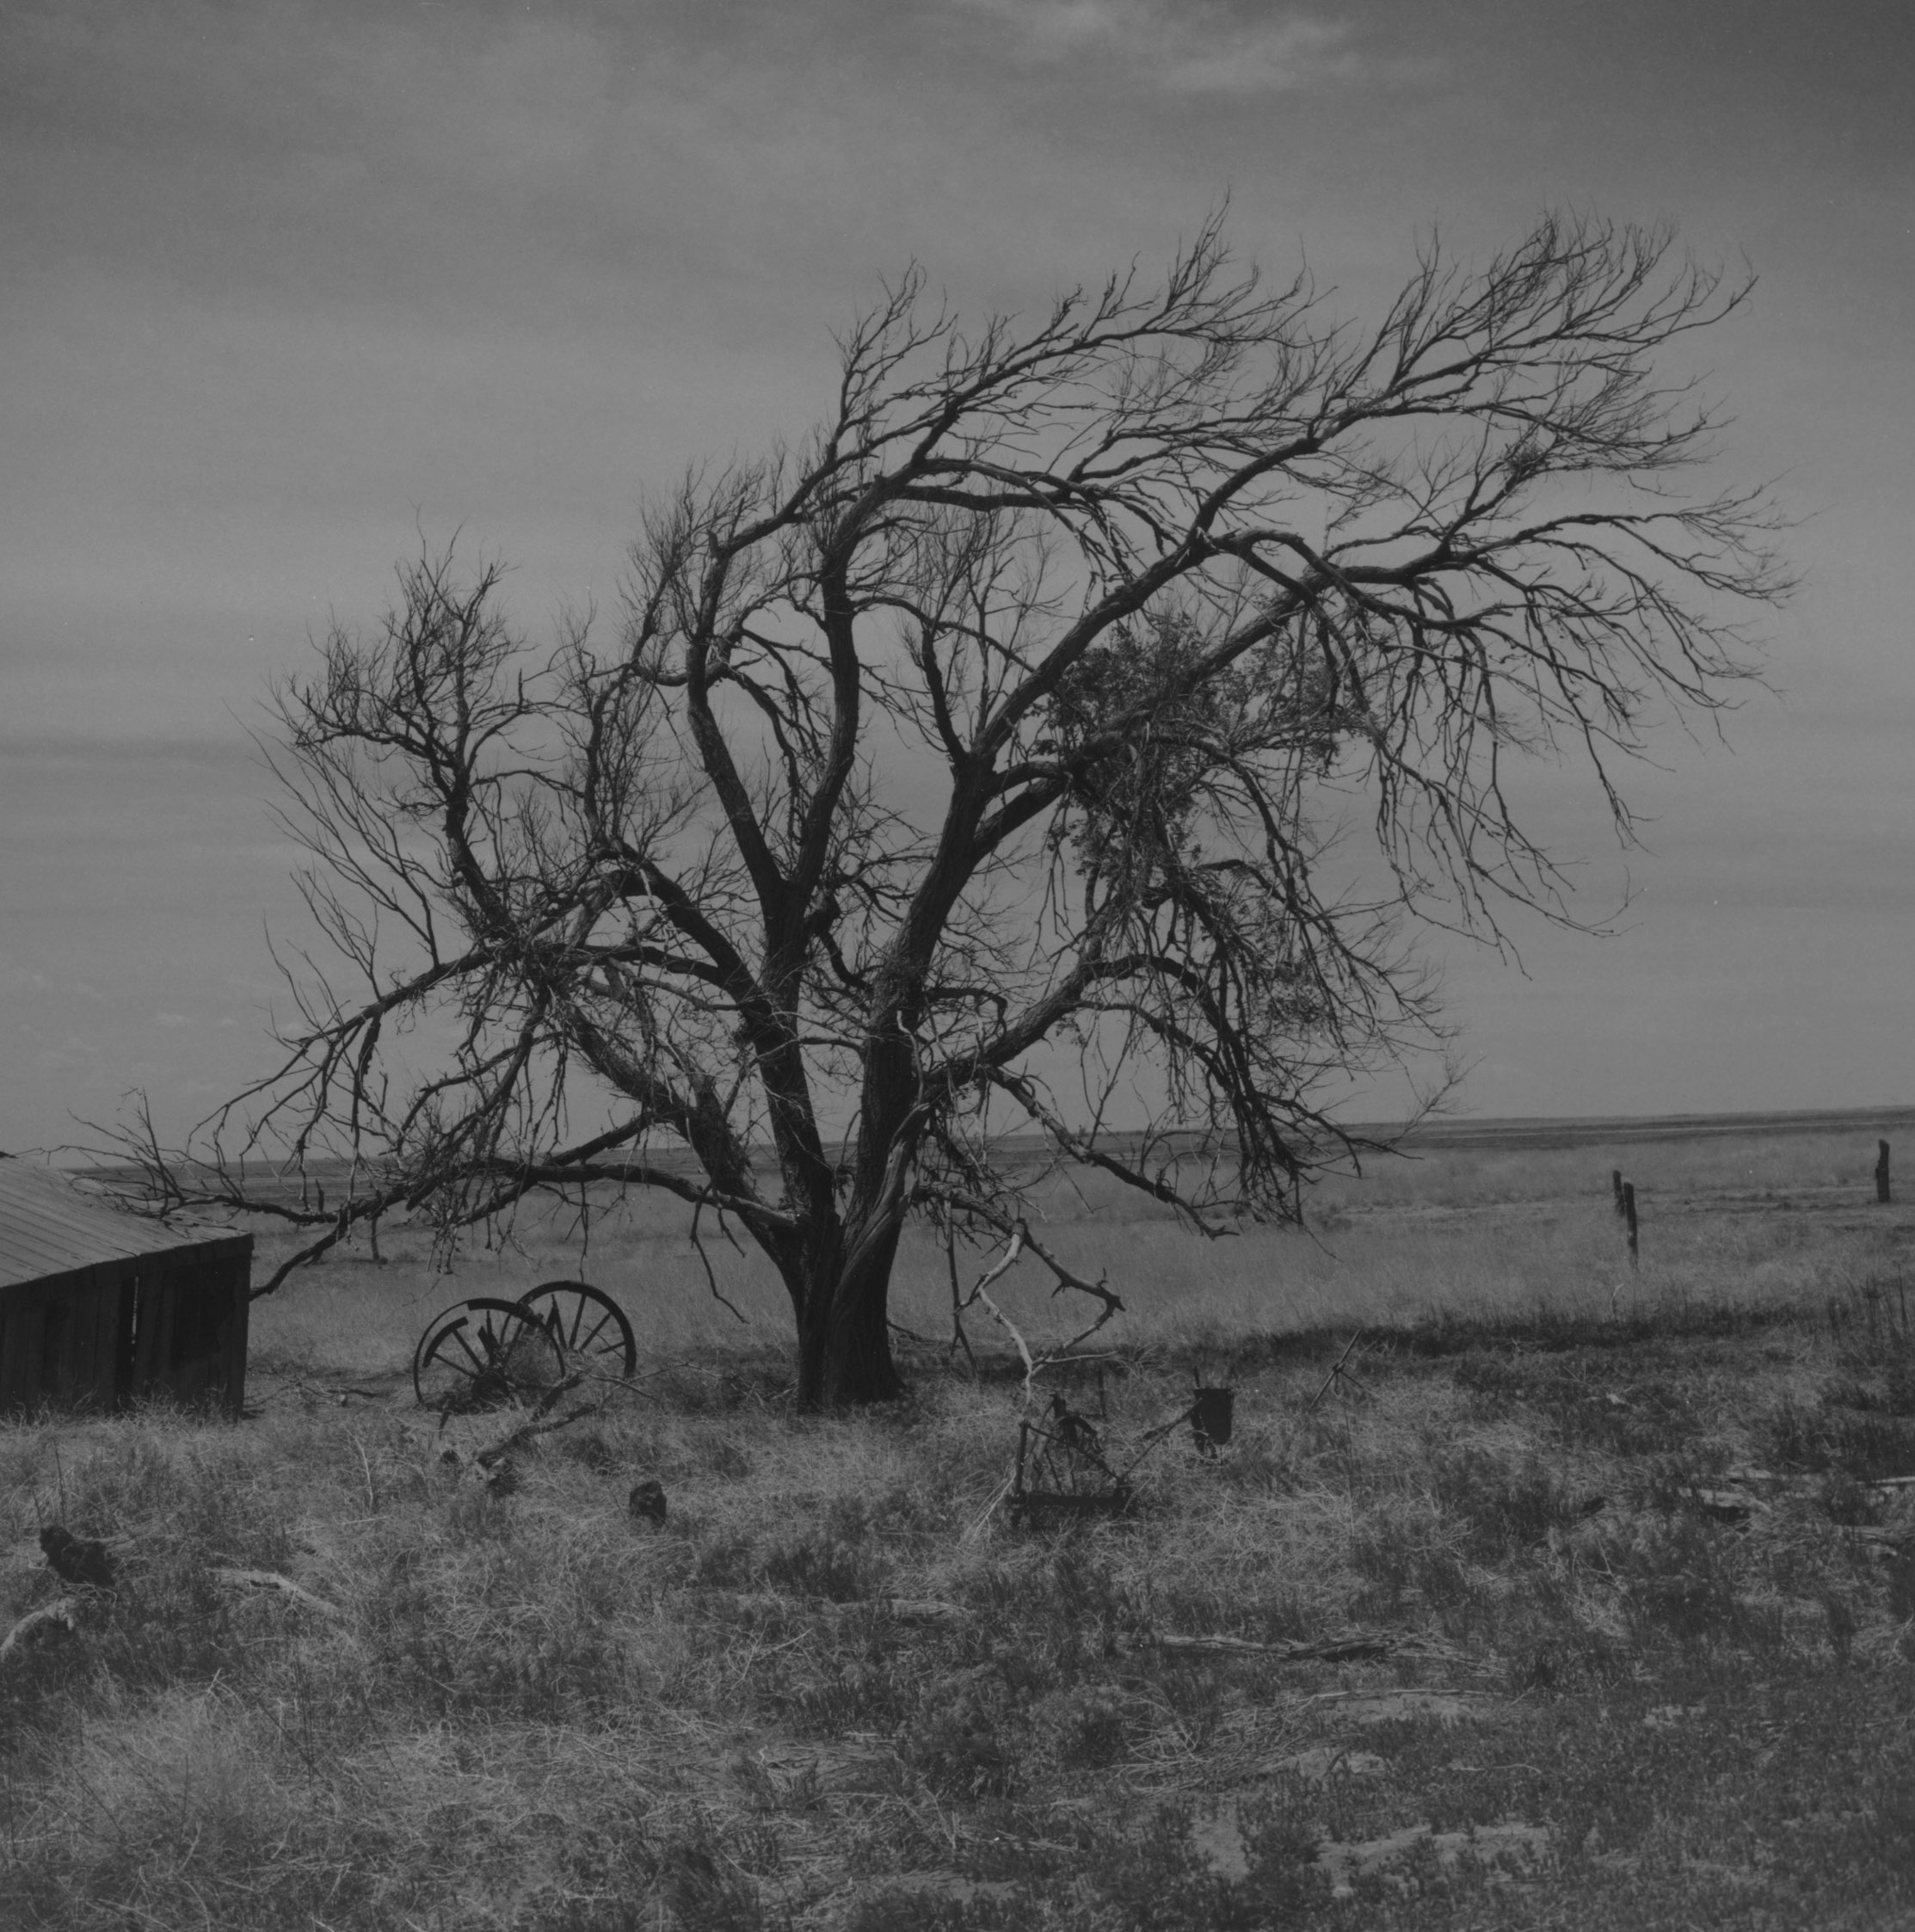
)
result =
(844, 1332)
(858, 1350)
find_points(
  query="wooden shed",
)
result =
(99, 1308)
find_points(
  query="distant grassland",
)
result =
(1503, 1230)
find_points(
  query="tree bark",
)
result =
(857, 1363)
(844, 1334)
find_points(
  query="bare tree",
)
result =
(1010, 716)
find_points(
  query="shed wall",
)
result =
(190, 1326)
(68, 1339)
(172, 1324)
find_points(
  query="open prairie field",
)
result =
(1584, 1598)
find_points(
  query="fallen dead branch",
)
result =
(537, 1423)
(1801, 1483)
(932, 1611)
(1351, 1645)
(61, 1610)
(923, 1609)
(1013, 1251)
(271, 1579)
(1886, 1546)
(339, 1393)
(1017, 1241)
(1731, 1506)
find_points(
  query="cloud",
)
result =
(72, 1056)
(1217, 47)
(171, 1019)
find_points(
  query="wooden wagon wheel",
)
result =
(586, 1322)
(483, 1351)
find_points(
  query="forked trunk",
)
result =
(842, 1299)
(844, 1332)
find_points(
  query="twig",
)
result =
(1098, 1290)
(271, 1579)
(62, 1610)
(704, 1260)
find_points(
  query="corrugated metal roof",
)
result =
(48, 1226)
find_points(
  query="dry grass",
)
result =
(536, 1713)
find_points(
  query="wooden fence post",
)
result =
(1882, 1170)
(1628, 1215)
(1616, 1185)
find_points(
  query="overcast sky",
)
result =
(285, 283)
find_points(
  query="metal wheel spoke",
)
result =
(563, 1306)
(458, 1365)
